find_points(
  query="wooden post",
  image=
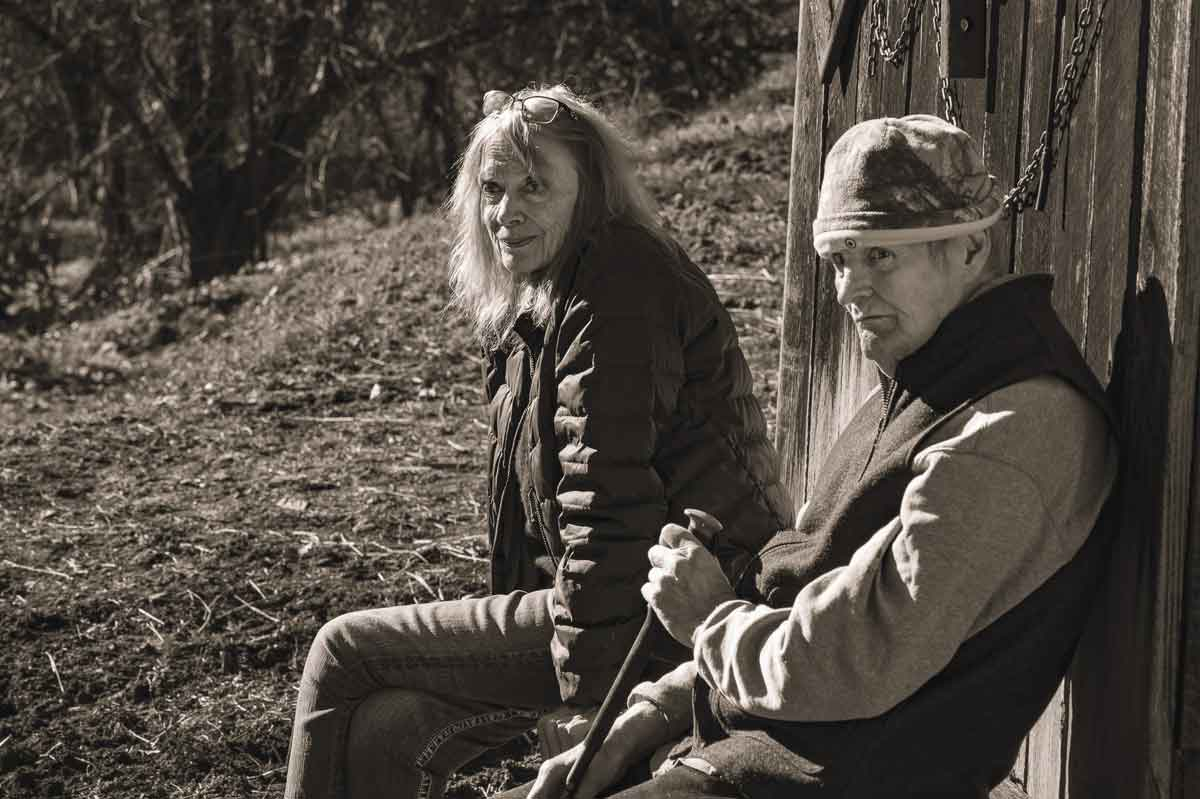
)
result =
(1118, 238)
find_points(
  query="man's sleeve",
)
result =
(670, 693)
(993, 512)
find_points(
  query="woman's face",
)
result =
(527, 211)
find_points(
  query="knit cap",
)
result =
(903, 180)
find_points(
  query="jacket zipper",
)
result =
(536, 501)
(889, 393)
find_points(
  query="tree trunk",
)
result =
(222, 223)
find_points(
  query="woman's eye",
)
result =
(490, 188)
(880, 254)
(532, 185)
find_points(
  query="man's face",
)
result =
(527, 211)
(898, 295)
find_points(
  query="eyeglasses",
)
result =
(536, 108)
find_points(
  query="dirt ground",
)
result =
(190, 488)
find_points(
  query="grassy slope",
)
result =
(190, 487)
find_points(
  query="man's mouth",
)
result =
(516, 244)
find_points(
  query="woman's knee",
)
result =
(338, 652)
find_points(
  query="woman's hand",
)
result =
(635, 734)
(562, 728)
(685, 584)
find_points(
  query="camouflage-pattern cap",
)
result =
(903, 180)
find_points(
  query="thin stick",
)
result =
(424, 584)
(141, 738)
(207, 609)
(254, 585)
(57, 676)
(248, 606)
(50, 572)
(151, 617)
(454, 552)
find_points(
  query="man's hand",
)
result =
(635, 734)
(562, 728)
(685, 584)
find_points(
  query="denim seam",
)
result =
(450, 730)
(453, 728)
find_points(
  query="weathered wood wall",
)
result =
(1117, 237)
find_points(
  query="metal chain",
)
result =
(881, 45)
(947, 91)
(893, 53)
(1069, 91)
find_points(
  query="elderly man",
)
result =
(902, 639)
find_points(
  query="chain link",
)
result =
(1023, 194)
(881, 45)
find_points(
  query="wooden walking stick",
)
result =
(705, 528)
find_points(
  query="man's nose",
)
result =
(853, 283)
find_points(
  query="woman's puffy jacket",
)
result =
(633, 403)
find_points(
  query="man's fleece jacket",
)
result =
(905, 636)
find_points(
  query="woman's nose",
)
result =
(510, 211)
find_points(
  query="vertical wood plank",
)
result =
(791, 429)
(1046, 741)
(1113, 86)
(1004, 145)
(1034, 235)
(838, 371)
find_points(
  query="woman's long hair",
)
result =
(481, 288)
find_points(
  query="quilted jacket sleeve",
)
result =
(612, 371)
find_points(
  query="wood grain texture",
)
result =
(1034, 233)
(800, 263)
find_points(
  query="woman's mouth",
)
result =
(516, 244)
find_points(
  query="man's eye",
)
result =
(490, 188)
(532, 185)
(881, 253)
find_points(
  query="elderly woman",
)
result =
(618, 396)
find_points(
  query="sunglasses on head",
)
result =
(536, 108)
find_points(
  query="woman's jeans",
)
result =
(394, 700)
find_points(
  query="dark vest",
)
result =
(958, 735)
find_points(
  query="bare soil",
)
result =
(190, 487)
